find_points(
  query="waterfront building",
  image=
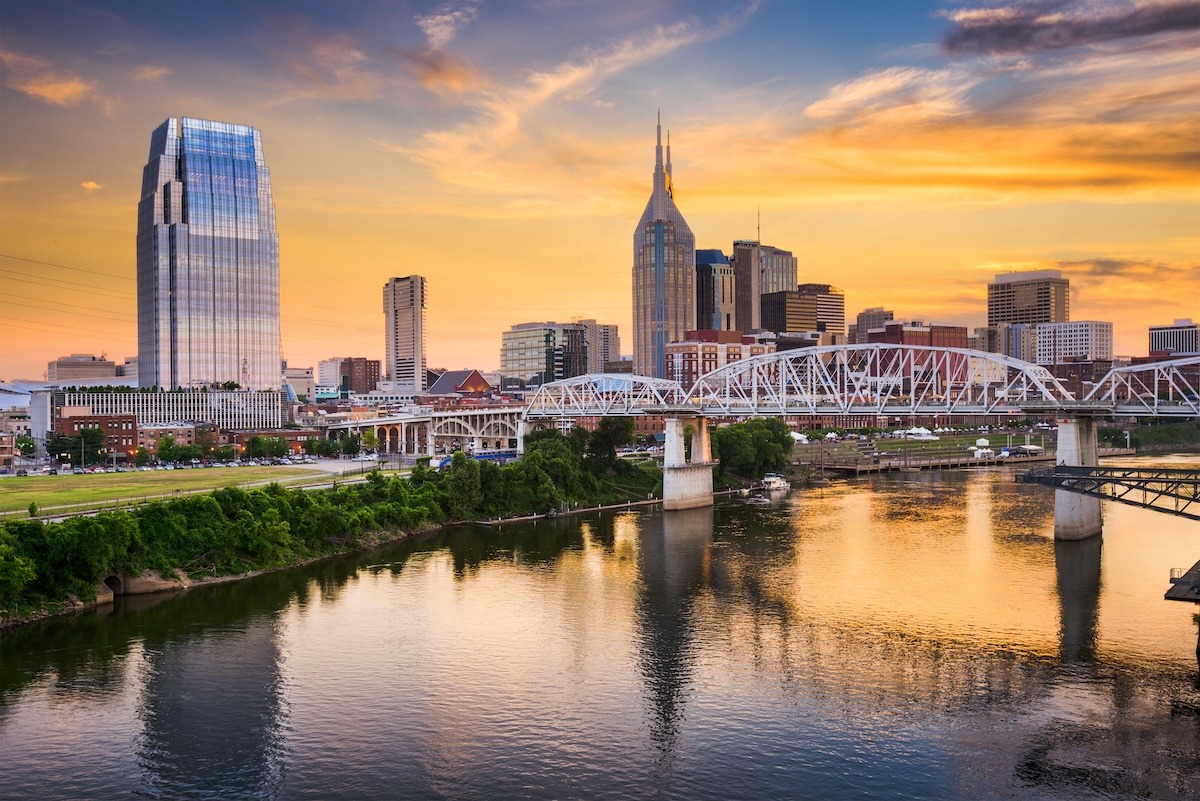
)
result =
(404, 320)
(207, 259)
(867, 319)
(80, 365)
(1082, 340)
(532, 354)
(1182, 338)
(664, 272)
(349, 374)
(706, 350)
(1034, 297)
(603, 344)
(716, 291)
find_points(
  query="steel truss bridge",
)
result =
(876, 379)
(1161, 489)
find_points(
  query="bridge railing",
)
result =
(1160, 388)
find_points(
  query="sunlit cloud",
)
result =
(91, 186)
(442, 73)
(443, 24)
(37, 78)
(151, 72)
(502, 148)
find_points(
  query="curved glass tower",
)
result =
(664, 273)
(208, 259)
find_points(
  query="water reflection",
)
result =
(1078, 567)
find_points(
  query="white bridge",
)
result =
(877, 379)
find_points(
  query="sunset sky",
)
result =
(905, 151)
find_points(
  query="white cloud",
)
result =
(444, 23)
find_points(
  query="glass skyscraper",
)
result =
(208, 259)
(664, 273)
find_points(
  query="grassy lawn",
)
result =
(49, 491)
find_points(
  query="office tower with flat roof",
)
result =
(404, 322)
(532, 354)
(867, 319)
(716, 293)
(603, 344)
(1182, 338)
(664, 272)
(1035, 297)
(1079, 341)
(207, 259)
(80, 365)
(759, 270)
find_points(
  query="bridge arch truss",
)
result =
(1167, 388)
(604, 395)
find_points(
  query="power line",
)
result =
(42, 278)
(65, 267)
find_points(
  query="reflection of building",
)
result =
(1083, 340)
(208, 259)
(404, 334)
(80, 365)
(664, 273)
(532, 354)
(1183, 338)
(707, 350)
(1038, 296)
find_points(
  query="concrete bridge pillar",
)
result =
(521, 437)
(1076, 517)
(687, 484)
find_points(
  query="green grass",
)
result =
(47, 492)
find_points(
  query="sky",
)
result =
(904, 151)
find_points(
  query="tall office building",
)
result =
(1038, 296)
(1183, 338)
(759, 270)
(207, 259)
(603, 344)
(664, 273)
(815, 308)
(867, 319)
(404, 319)
(716, 292)
(532, 354)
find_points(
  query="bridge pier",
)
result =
(1076, 516)
(687, 484)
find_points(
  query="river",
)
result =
(906, 636)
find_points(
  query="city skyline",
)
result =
(904, 152)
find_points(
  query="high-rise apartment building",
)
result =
(716, 290)
(1079, 341)
(664, 273)
(532, 354)
(207, 259)
(1183, 338)
(1037, 296)
(603, 344)
(404, 322)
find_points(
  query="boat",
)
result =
(774, 481)
(758, 500)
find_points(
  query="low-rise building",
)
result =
(916, 332)
(1081, 340)
(706, 350)
(8, 451)
(148, 436)
(119, 432)
(80, 365)
(1181, 338)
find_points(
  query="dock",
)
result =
(1185, 585)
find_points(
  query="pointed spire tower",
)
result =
(664, 272)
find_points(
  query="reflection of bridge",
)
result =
(877, 380)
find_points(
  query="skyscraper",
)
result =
(716, 291)
(603, 343)
(207, 259)
(1037, 296)
(759, 270)
(404, 314)
(664, 273)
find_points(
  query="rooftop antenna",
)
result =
(758, 213)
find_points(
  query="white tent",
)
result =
(981, 442)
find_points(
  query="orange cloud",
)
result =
(151, 72)
(91, 186)
(60, 90)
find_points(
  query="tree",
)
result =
(230, 386)
(167, 449)
(610, 434)
(463, 486)
(368, 439)
(142, 457)
(351, 445)
(25, 445)
(753, 447)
